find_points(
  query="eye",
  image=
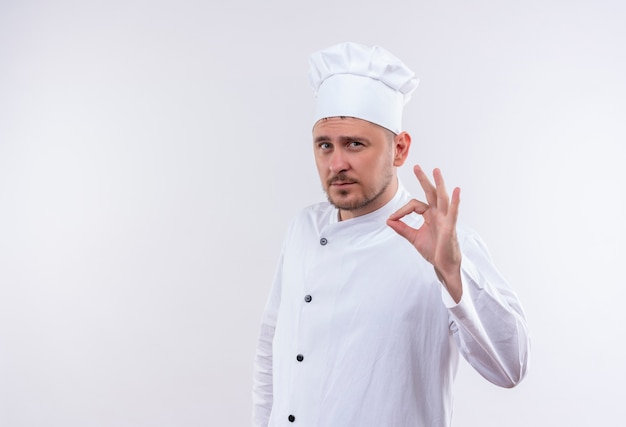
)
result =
(355, 144)
(324, 146)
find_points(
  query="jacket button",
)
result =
(299, 358)
(323, 241)
(291, 418)
(308, 298)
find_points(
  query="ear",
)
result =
(401, 145)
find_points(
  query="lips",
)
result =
(341, 180)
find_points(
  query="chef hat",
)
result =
(353, 80)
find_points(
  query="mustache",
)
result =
(340, 177)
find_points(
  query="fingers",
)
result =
(402, 229)
(436, 195)
(429, 190)
(413, 206)
(442, 194)
(453, 211)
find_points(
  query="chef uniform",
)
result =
(358, 331)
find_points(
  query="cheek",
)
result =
(380, 162)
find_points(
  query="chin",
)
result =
(348, 204)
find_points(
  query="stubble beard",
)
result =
(369, 196)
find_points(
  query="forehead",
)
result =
(345, 125)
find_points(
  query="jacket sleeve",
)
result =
(262, 388)
(488, 323)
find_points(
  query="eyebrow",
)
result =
(319, 139)
(343, 138)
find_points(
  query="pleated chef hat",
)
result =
(354, 80)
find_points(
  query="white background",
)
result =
(152, 153)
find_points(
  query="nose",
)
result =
(338, 162)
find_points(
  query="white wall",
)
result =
(152, 152)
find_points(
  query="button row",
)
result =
(307, 299)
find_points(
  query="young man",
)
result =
(376, 294)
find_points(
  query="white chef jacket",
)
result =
(359, 332)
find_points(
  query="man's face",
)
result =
(355, 160)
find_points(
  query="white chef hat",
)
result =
(354, 80)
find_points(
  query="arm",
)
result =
(489, 323)
(487, 320)
(262, 389)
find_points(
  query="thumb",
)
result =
(402, 229)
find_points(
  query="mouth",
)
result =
(341, 180)
(341, 185)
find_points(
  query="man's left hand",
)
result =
(436, 239)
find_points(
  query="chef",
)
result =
(376, 294)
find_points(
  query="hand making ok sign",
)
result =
(436, 238)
